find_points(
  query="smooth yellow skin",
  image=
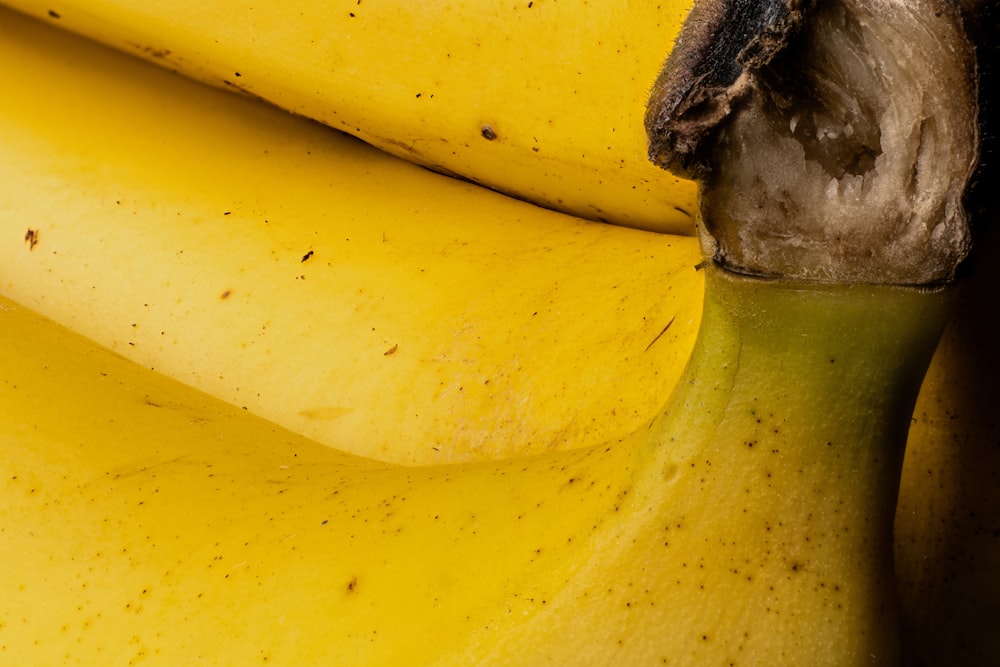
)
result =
(316, 281)
(749, 525)
(542, 100)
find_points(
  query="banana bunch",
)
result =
(539, 99)
(331, 295)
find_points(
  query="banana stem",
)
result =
(796, 404)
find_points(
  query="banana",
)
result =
(948, 518)
(15, 415)
(316, 281)
(749, 524)
(542, 100)
(843, 148)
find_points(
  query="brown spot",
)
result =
(352, 585)
(488, 133)
(706, 74)
(226, 294)
(391, 350)
(324, 412)
(31, 238)
(659, 335)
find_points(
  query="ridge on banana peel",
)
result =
(541, 100)
(342, 293)
(747, 525)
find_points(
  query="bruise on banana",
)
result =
(834, 139)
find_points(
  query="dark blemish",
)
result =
(488, 133)
(681, 210)
(391, 350)
(660, 335)
(352, 585)
(225, 295)
(31, 238)
(226, 212)
(324, 522)
(307, 256)
(709, 72)
(54, 14)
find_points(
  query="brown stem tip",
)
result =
(834, 139)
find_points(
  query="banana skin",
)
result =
(749, 524)
(535, 99)
(317, 281)
(935, 438)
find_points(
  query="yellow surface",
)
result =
(543, 100)
(343, 293)
(145, 521)
(117, 182)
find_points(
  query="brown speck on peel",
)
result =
(352, 585)
(226, 294)
(307, 255)
(391, 350)
(659, 335)
(488, 133)
(54, 14)
(31, 238)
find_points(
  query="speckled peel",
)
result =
(840, 150)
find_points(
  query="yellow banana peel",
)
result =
(542, 100)
(944, 549)
(296, 272)
(748, 524)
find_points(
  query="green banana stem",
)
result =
(782, 450)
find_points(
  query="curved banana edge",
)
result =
(296, 272)
(541, 100)
(750, 524)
